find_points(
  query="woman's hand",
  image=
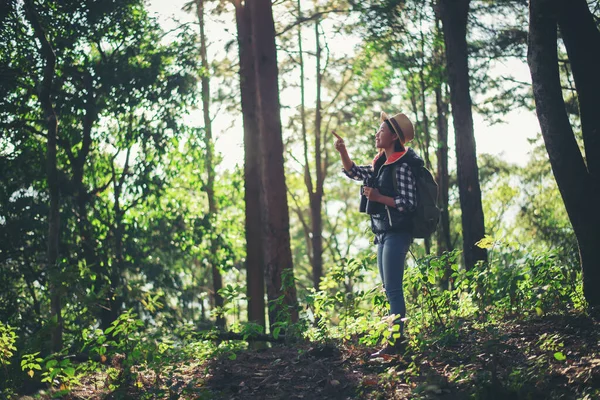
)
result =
(341, 148)
(372, 193)
(339, 142)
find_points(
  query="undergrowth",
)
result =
(445, 305)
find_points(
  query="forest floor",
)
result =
(551, 357)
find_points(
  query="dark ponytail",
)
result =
(398, 146)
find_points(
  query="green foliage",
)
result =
(132, 226)
(340, 305)
(348, 308)
(31, 362)
(526, 284)
(8, 338)
(60, 373)
(542, 213)
(232, 296)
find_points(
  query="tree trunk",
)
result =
(114, 295)
(45, 97)
(582, 41)
(443, 179)
(84, 198)
(444, 240)
(427, 141)
(425, 120)
(423, 95)
(577, 182)
(278, 255)
(252, 196)
(210, 168)
(314, 235)
(316, 197)
(423, 144)
(454, 20)
(307, 174)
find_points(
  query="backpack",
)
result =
(427, 213)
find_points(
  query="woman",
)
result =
(392, 199)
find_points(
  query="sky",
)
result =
(508, 139)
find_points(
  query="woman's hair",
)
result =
(398, 145)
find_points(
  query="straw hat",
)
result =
(401, 126)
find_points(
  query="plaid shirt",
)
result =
(406, 201)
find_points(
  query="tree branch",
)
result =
(311, 18)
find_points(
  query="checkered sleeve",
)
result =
(406, 201)
(359, 172)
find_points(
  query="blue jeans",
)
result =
(392, 248)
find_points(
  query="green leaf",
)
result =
(539, 311)
(486, 243)
(560, 356)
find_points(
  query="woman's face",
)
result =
(384, 137)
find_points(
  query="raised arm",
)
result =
(341, 148)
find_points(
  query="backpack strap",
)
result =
(395, 178)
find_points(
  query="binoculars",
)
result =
(367, 206)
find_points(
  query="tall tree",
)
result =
(84, 197)
(454, 16)
(444, 240)
(210, 167)
(313, 186)
(578, 179)
(45, 99)
(255, 274)
(278, 257)
(316, 195)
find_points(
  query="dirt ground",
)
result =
(553, 357)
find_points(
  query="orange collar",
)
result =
(393, 158)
